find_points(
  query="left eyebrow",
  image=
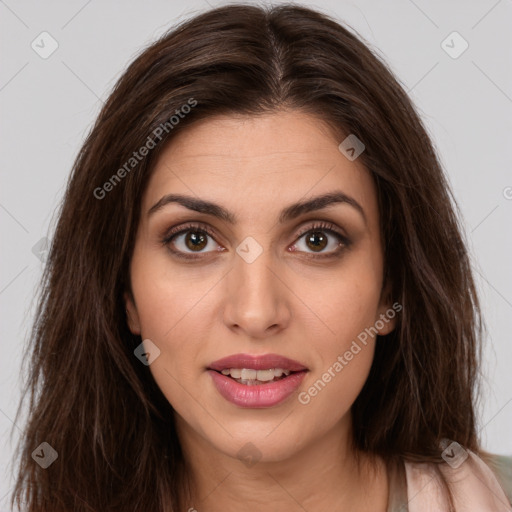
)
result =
(290, 212)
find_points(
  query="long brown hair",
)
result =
(93, 401)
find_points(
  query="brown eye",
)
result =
(190, 241)
(196, 240)
(317, 241)
(322, 239)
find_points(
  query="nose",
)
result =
(256, 297)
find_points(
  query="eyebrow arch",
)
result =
(290, 212)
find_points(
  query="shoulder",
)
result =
(501, 465)
(475, 482)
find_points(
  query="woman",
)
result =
(258, 293)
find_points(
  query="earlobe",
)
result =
(386, 322)
(132, 317)
(386, 318)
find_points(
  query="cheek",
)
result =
(347, 301)
(348, 307)
(174, 310)
(344, 356)
(328, 396)
(168, 309)
(168, 300)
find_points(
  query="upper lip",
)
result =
(254, 362)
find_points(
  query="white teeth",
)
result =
(235, 373)
(265, 375)
(248, 374)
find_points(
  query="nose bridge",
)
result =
(255, 299)
(252, 272)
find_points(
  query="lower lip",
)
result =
(257, 396)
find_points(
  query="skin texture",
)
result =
(310, 310)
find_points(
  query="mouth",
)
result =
(252, 377)
(263, 368)
(256, 381)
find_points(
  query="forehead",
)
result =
(250, 163)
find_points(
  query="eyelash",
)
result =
(326, 227)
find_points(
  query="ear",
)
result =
(387, 312)
(132, 317)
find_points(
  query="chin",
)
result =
(259, 447)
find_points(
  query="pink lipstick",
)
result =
(256, 381)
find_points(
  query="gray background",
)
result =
(48, 105)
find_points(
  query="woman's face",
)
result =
(266, 280)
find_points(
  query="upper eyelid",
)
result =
(327, 226)
(200, 226)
